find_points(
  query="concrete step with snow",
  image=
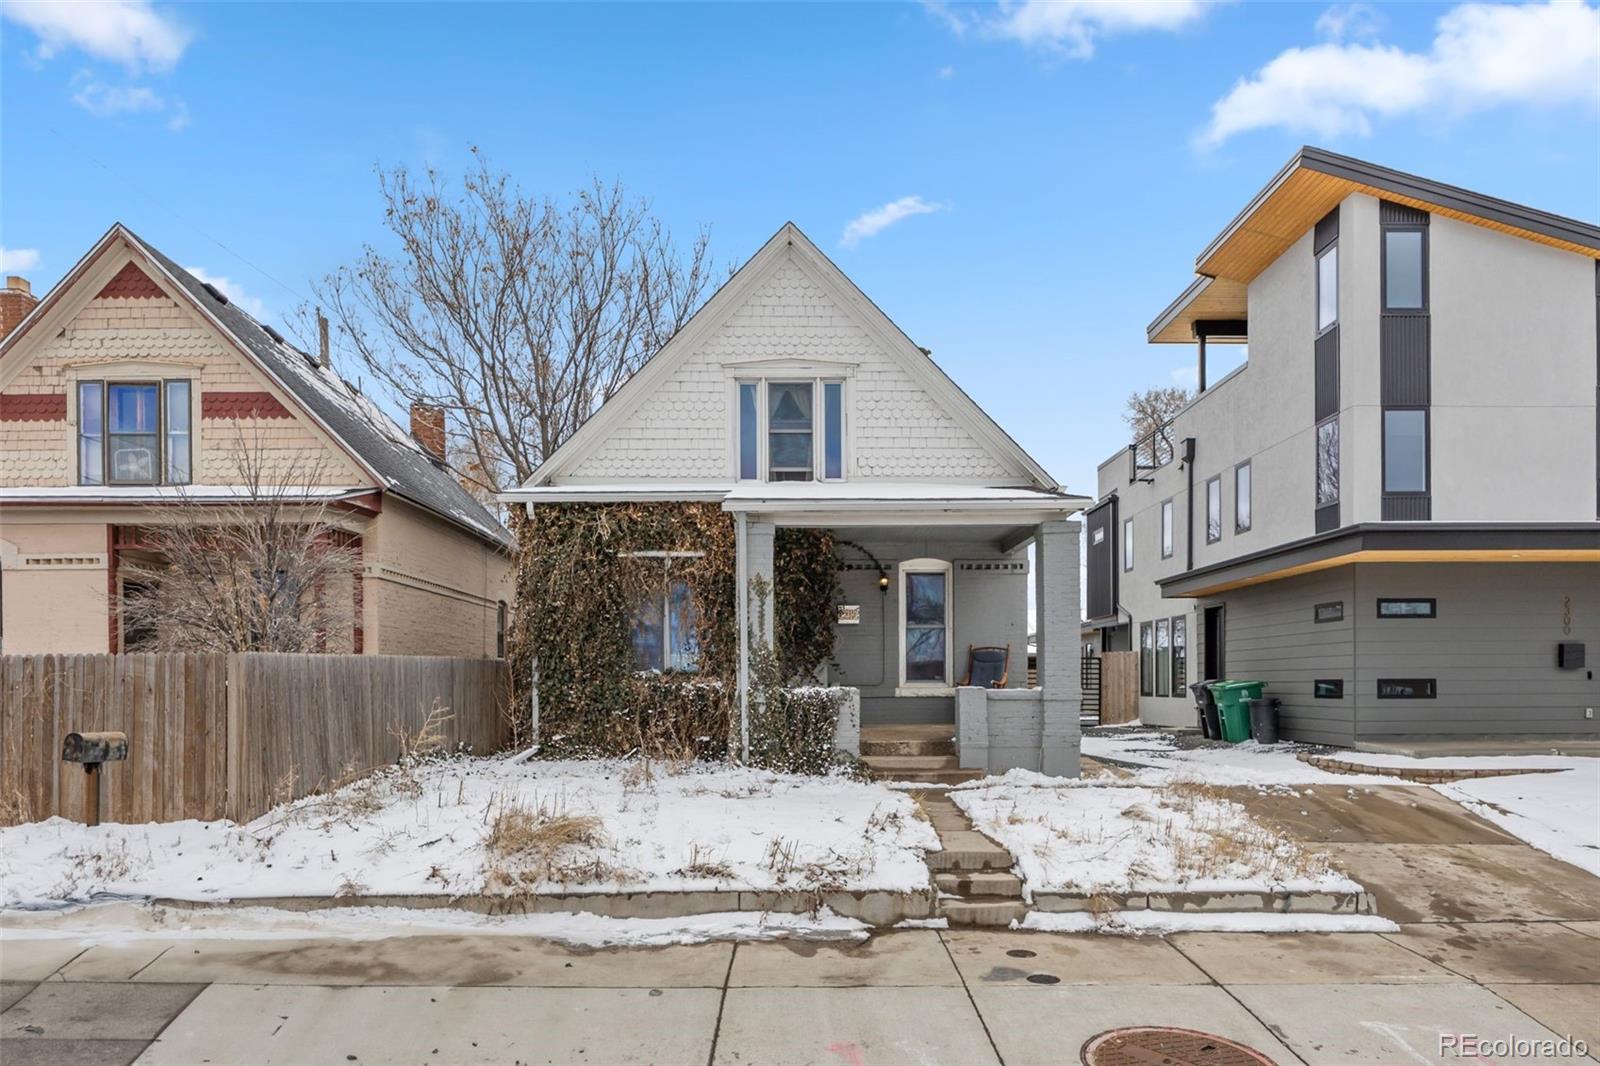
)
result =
(968, 850)
(982, 912)
(911, 764)
(979, 883)
(908, 740)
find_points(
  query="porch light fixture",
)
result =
(883, 583)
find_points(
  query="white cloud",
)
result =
(232, 290)
(870, 223)
(18, 258)
(109, 101)
(1343, 22)
(131, 32)
(1482, 56)
(1070, 26)
(1186, 376)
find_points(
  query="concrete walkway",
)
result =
(959, 996)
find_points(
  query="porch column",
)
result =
(753, 548)
(1059, 618)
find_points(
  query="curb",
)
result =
(1419, 775)
(876, 908)
(1279, 902)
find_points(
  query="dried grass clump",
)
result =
(703, 864)
(1222, 839)
(543, 843)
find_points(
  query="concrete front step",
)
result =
(982, 912)
(908, 740)
(968, 851)
(932, 777)
(979, 883)
(911, 763)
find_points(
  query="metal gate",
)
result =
(1089, 710)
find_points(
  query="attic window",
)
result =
(135, 432)
(790, 430)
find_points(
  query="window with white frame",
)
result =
(925, 623)
(135, 432)
(1127, 544)
(1166, 529)
(664, 627)
(791, 429)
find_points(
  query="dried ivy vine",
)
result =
(579, 580)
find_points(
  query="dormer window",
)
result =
(134, 433)
(780, 438)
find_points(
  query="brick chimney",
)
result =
(16, 300)
(427, 428)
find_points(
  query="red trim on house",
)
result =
(132, 282)
(368, 503)
(358, 638)
(241, 405)
(33, 407)
(113, 596)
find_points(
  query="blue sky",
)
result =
(1056, 167)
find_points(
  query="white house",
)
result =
(794, 401)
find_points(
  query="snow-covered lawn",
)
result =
(1557, 813)
(464, 826)
(1103, 835)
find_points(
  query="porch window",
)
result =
(924, 642)
(1147, 659)
(664, 626)
(1180, 656)
(1163, 660)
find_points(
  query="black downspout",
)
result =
(1201, 335)
(1188, 461)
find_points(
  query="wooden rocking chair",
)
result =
(988, 666)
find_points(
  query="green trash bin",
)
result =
(1233, 706)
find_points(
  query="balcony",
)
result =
(1150, 453)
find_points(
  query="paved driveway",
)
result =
(1497, 941)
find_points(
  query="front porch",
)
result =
(930, 575)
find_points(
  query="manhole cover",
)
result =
(1044, 978)
(1021, 953)
(1153, 1045)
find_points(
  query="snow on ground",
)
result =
(1108, 835)
(1248, 763)
(462, 826)
(1140, 923)
(153, 922)
(1557, 813)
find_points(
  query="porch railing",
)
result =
(1150, 452)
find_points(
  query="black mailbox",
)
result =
(1569, 655)
(94, 747)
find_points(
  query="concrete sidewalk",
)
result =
(962, 996)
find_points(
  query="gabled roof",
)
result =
(727, 300)
(1310, 185)
(386, 451)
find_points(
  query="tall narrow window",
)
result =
(1127, 544)
(1180, 656)
(1328, 461)
(178, 444)
(1241, 497)
(1163, 662)
(925, 657)
(1405, 450)
(91, 433)
(1166, 529)
(1147, 659)
(1328, 288)
(664, 628)
(789, 427)
(1214, 510)
(133, 441)
(833, 430)
(749, 431)
(1403, 270)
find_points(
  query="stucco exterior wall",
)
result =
(429, 588)
(893, 429)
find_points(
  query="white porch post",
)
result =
(1059, 618)
(754, 552)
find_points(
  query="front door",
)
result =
(1216, 643)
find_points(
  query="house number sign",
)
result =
(849, 614)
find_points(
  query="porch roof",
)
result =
(812, 502)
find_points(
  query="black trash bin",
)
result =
(1264, 720)
(1205, 706)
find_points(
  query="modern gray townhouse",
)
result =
(1389, 512)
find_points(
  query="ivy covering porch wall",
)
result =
(579, 582)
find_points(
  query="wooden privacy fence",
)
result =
(215, 735)
(1111, 687)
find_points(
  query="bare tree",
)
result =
(518, 316)
(265, 568)
(1147, 412)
